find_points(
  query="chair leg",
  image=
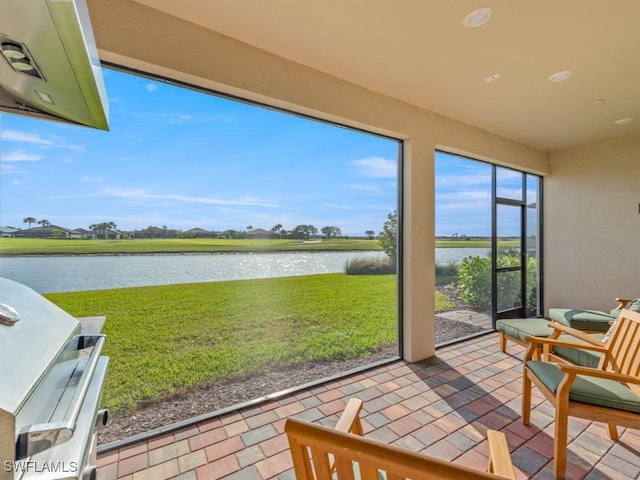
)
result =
(526, 398)
(561, 439)
(613, 432)
(503, 342)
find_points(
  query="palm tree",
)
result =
(276, 231)
(29, 220)
(45, 223)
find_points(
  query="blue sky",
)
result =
(178, 158)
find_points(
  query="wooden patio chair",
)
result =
(322, 453)
(609, 393)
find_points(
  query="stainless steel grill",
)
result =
(50, 389)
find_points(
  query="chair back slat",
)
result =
(624, 345)
(344, 469)
(320, 461)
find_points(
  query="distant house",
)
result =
(199, 233)
(228, 234)
(50, 231)
(8, 231)
(85, 234)
(258, 233)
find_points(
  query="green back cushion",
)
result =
(595, 391)
(582, 319)
(577, 356)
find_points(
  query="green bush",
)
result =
(475, 282)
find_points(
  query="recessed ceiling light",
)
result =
(595, 103)
(623, 121)
(493, 78)
(560, 76)
(478, 17)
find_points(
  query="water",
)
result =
(446, 256)
(50, 274)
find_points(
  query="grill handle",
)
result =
(41, 436)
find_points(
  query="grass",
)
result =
(164, 339)
(50, 246)
(46, 246)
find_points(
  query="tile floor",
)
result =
(441, 406)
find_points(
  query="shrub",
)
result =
(443, 303)
(369, 266)
(475, 282)
(388, 237)
(449, 270)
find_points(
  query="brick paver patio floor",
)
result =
(441, 406)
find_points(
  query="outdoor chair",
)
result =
(609, 393)
(322, 453)
(589, 321)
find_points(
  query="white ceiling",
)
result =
(419, 51)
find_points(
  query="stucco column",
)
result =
(418, 282)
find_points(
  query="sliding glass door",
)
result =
(488, 239)
(515, 248)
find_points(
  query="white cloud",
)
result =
(454, 180)
(37, 140)
(90, 179)
(338, 206)
(177, 118)
(23, 137)
(362, 186)
(20, 156)
(151, 87)
(376, 167)
(141, 194)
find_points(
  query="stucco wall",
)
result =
(592, 225)
(135, 36)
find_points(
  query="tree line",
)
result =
(299, 232)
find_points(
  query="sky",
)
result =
(463, 198)
(183, 159)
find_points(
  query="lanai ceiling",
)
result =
(420, 52)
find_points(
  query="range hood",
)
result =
(49, 65)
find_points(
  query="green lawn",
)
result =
(166, 338)
(50, 246)
(46, 246)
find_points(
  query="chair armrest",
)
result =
(560, 343)
(594, 372)
(349, 420)
(499, 457)
(575, 333)
(622, 302)
(535, 344)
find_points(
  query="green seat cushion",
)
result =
(522, 327)
(582, 319)
(585, 389)
(584, 358)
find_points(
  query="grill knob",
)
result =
(102, 418)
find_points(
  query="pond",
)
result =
(62, 273)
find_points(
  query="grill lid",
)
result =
(28, 346)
